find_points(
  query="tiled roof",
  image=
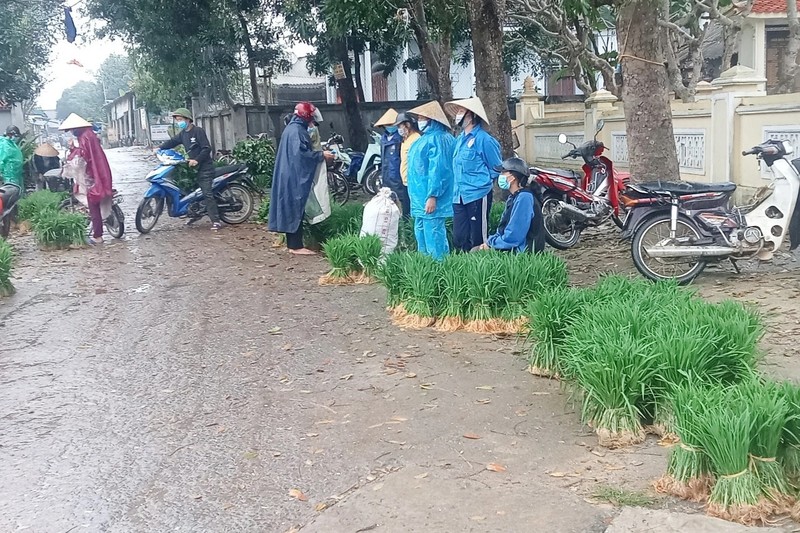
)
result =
(770, 6)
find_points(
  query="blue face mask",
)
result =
(502, 182)
(182, 124)
(311, 129)
(423, 124)
(391, 129)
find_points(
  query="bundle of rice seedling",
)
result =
(420, 291)
(689, 474)
(453, 292)
(485, 289)
(739, 329)
(548, 271)
(550, 316)
(340, 253)
(40, 202)
(344, 220)
(60, 229)
(406, 238)
(6, 257)
(724, 434)
(368, 250)
(391, 274)
(613, 371)
(789, 450)
(770, 410)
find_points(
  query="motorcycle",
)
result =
(572, 203)
(9, 196)
(114, 223)
(678, 228)
(233, 189)
(362, 169)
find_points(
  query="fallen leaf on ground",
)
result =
(399, 443)
(250, 455)
(324, 422)
(297, 494)
(556, 474)
(399, 419)
(276, 454)
(494, 467)
(426, 386)
(421, 476)
(346, 377)
(484, 401)
(411, 375)
(471, 436)
(485, 387)
(598, 454)
(312, 434)
(275, 331)
(375, 426)
(477, 518)
(379, 486)
(320, 506)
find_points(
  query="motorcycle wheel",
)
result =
(372, 181)
(656, 231)
(5, 225)
(339, 187)
(115, 223)
(236, 192)
(558, 234)
(147, 213)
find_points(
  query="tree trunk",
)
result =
(645, 93)
(251, 63)
(357, 65)
(436, 58)
(787, 79)
(355, 123)
(484, 22)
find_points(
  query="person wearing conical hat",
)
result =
(476, 155)
(391, 142)
(45, 158)
(88, 166)
(430, 179)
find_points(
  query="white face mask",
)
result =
(402, 131)
(460, 118)
(423, 123)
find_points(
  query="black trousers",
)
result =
(205, 177)
(471, 223)
(294, 241)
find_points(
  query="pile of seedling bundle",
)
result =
(6, 259)
(486, 292)
(53, 228)
(353, 259)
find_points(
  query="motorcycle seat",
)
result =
(9, 193)
(221, 171)
(568, 174)
(685, 187)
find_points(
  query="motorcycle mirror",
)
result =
(600, 124)
(562, 138)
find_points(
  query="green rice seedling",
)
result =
(406, 238)
(485, 289)
(453, 290)
(495, 214)
(613, 371)
(770, 411)
(339, 251)
(548, 270)
(689, 474)
(6, 259)
(391, 274)
(550, 316)
(724, 434)
(790, 437)
(368, 250)
(35, 204)
(344, 220)
(60, 229)
(421, 291)
(740, 328)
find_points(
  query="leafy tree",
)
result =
(27, 32)
(84, 98)
(115, 76)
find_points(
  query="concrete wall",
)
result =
(731, 114)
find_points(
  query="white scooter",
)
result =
(361, 170)
(688, 225)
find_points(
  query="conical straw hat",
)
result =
(433, 111)
(74, 122)
(388, 118)
(46, 150)
(473, 104)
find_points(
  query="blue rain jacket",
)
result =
(11, 163)
(390, 159)
(295, 166)
(512, 233)
(430, 172)
(476, 155)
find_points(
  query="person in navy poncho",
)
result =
(295, 166)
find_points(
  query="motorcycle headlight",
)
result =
(788, 148)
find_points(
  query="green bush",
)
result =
(6, 258)
(259, 154)
(263, 210)
(32, 206)
(495, 214)
(60, 229)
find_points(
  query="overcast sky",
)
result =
(87, 51)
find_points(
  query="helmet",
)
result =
(405, 117)
(305, 110)
(517, 166)
(13, 131)
(183, 112)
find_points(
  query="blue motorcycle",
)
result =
(232, 186)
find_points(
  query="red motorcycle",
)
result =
(572, 203)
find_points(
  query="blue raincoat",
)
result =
(430, 174)
(295, 166)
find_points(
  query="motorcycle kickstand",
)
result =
(735, 265)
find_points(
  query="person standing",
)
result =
(408, 129)
(391, 147)
(195, 141)
(296, 164)
(88, 167)
(476, 155)
(11, 160)
(430, 179)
